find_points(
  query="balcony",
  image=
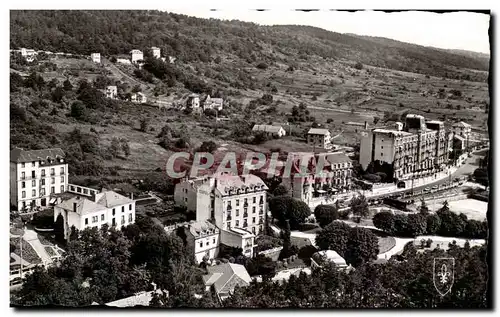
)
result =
(229, 207)
(229, 217)
(245, 204)
(245, 225)
(261, 211)
(261, 221)
(261, 202)
(245, 214)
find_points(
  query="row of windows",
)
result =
(245, 211)
(33, 164)
(245, 201)
(95, 219)
(42, 191)
(52, 173)
(228, 224)
(207, 243)
(42, 182)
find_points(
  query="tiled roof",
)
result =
(84, 206)
(139, 299)
(332, 256)
(225, 277)
(112, 199)
(135, 52)
(202, 228)
(267, 128)
(226, 183)
(21, 156)
(318, 131)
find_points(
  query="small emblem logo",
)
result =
(444, 274)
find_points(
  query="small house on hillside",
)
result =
(96, 57)
(270, 130)
(213, 103)
(111, 92)
(136, 56)
(319, 137)
(156, 52)
(138, 98)
(193, 102)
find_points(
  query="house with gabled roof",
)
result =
(319, 138)
(223, 279)
(270, 130)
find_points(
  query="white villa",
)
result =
(156, 52)
(106, 207)
(136, 55)
(111, 92)
(138, 98)
(96, 57)
(270, 130)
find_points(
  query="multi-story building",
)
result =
(35, 176)
(96, 57)
(421, 149)
(335, 176)
(319, 138)
(136, 55)
(106, 207)
(156, 52)
(236, 204)
(462, 129)
(111, 92)
(202, 237)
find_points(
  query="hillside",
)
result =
(193, 39)
(296, 76)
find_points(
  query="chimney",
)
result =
(132, 196)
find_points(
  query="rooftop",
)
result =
(462, 124)
(111, 199)
(331, 256)
(84, 206)
(226, 183)
(393, 132)
(46, 155)
(318, 131)
(139, 299)
(135, 52)
(202, 228)
(225, 277)
(267, 128)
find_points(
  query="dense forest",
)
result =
(201, 40)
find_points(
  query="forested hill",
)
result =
(194, 39)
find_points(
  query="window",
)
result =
(23, 165)
(102, 217)
(208, 243)
(253, 219)
(52, 190)
(185, 199)
(237, 202)
(23, 194)
(33, 192)
(33, 164)
(237, 223)
(113, 211)
(43, 181)
(130, 207)
(23, 175)
(62, 170)
(228, 224)
(62, 188)
(62, 179)
(201, 244)
(381, 154)
(23, 185)
(43, 172)
(33, 183)
(52, 180)
(95, 219)
(130, 219)
(253, 230)
(213, 241)
(86, 221)
(123, 208)
(253, 209)
(254, 200)
(52, 171)
(237, 212)
(123, 219)
(42, 192)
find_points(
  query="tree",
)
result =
(358, 65)
(208, 146)
(59, 229)
(114, 148)
(58, 94)
(125, 147)
(334, 236)
(384, 221)
(416, 225)
(143, 124)
(67, 85)
(287, 245)
(481, 176)
(359, 206)
(433, 224)
(280, 190)
(287, 208)
(424, 210)
(325, 214)
(362, 246)
(78, 110)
